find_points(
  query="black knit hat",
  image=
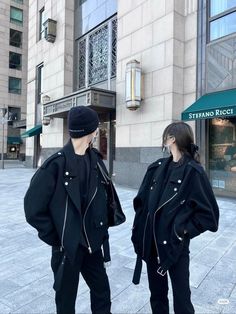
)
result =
(82, 121)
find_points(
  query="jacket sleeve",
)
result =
(139, 199)
(203, 204)
(36, 203)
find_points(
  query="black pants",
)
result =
(91, 266)
(158, 285)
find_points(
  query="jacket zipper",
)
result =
(64, 224)
(180, 238)
(154, 219)
(145, 232)
(89, 246)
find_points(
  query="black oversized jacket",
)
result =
(187, 203)
(52, 202)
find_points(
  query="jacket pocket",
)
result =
(101, 223)
(178, 236)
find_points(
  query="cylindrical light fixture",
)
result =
(133, 85)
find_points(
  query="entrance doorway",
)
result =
(105, 142)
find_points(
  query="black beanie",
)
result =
(82, 121)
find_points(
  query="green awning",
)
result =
(14, 140)
(219, 104)
(32, 132)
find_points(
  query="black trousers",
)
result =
(91, 266)
(158, 285)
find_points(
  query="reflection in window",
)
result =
(219, 6)
(16, 16)
(14, 85)
(15, 38)
(98, 55)
(222, 153)
(14, 60)
(223, 26)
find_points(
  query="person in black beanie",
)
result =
(71, 201)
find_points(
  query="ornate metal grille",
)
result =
(98, 56)
(81, 63)
(113, 47)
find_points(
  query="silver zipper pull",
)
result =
(90, 250)
(158, 259)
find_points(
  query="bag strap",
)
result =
(137, 270)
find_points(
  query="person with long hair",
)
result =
(174, 204)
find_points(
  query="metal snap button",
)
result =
(164, 242)
(101, 223)
(179, 181)
(59, 153)
(66, 183)
(175, 189)
(66, 173)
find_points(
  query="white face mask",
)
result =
(166, 148)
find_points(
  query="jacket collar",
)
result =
(71, 165)
(71, 173)
(175, 182)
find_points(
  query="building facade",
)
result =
(186, 53)
(13, 76)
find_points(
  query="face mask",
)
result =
(93, 140)
(166, 148)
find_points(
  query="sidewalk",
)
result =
(26, 279)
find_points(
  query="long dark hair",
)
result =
(184, 138)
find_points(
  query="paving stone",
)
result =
(42, 305)
(208, 257)
(26, 278)
(198, 273)
(4, 309)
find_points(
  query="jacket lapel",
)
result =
(71, 175)
(93, 178)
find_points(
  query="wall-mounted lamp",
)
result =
(133, 85)
(45, 99)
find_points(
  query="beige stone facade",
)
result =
(8, 99)
(162, 36)
(57, 61)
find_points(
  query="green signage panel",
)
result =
(215, 105)
(209, 114)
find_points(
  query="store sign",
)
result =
(210, 114)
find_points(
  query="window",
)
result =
(15, 38)
(96, 55)
(222, 154)
(41, 21)
(223, 26)
(14, 85)
(19, 1)
(220, 6)
(39, 90)
(16, 16)
(222, 18)
(113, 47)
(14, 60)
